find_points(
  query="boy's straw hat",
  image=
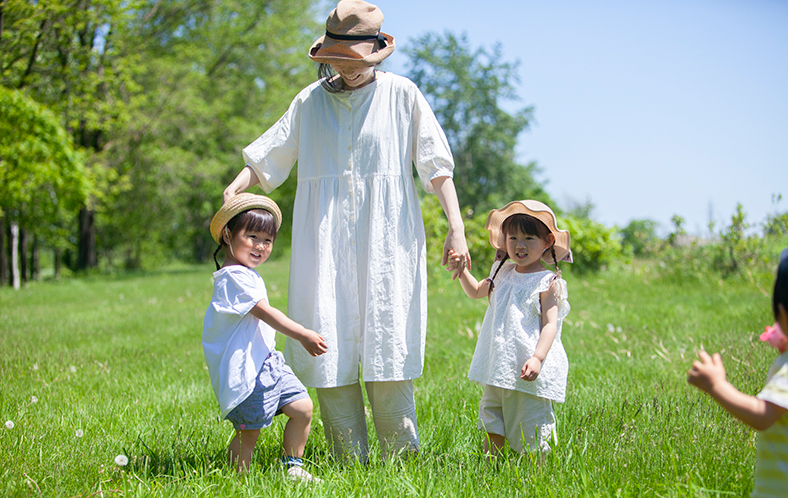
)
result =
(541, 212)
(238, 204)
(353, 36)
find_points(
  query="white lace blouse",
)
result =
(511, 330)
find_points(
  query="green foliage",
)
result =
(43, 180)
(630, 426)
(465, 88)
(640, 237)
(594, 246)
(735, 252)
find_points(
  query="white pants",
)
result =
(523, 419)
(345, 424)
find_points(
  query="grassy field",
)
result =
(96, 367)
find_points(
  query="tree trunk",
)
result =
(35, 268)
(3, 252)
(14, 263)
(86, 257)
(23, 255)
(57, 263)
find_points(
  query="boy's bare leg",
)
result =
(297, 428)
(239, 453)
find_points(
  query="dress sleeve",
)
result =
(776, 389)
(562, 294)
(431, 151)
(274, 153)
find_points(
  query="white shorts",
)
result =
(523, 419)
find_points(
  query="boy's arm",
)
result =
(245, 179)
(311, 340)
(549, 304)
(708, 375)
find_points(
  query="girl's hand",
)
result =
(531, 369)
(708, 373)
(455, 243)
(453, 261)
(313, 343)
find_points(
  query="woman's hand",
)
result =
(531, 369)
(455, 253)
(313, 343)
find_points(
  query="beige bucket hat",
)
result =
(238, 204)
(353, 36)
(541, 212)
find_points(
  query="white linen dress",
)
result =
(358, 262)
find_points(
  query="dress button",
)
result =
(349, 147)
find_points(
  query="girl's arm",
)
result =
(549, 303)
(455, 239)
(245, 180)
(708, 375)
(473, 289)
(311, 340)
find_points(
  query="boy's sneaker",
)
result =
(296, 473)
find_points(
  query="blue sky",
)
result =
(647, 108)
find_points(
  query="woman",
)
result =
(358, 262)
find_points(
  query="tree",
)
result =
(465, 88)
(43, 181)
(63, 53)
(640, 236)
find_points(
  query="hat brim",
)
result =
(539, 211)
(238, 204)
(330, 51)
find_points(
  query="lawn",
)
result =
(110, 365)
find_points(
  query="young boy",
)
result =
(249, 377)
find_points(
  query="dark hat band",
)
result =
(379, 37)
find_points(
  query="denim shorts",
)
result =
(275, 386)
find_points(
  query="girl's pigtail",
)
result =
(214, 256)
(557, 269)
(492, 280)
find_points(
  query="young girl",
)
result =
(358, 265)
(249, 377)
(519, 358)
(766, 412)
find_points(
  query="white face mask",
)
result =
(229, 241)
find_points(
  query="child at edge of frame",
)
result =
(766, 412)
(519, 358)
(249, 376)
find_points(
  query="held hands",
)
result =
(455, 244)
(708, 373)
(313, 343)
(531, 369)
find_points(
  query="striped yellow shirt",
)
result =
(771, 463)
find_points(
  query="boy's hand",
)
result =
(707, 373)
(531, 369)
(314, 343)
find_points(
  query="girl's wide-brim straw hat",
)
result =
(353, 36)
(238, 204)
(541, 212)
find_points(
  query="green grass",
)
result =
(119, 358)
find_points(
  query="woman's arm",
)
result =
(245, 180)
(455, 239)
(708, 375)
(549, 304)
(311, 340)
